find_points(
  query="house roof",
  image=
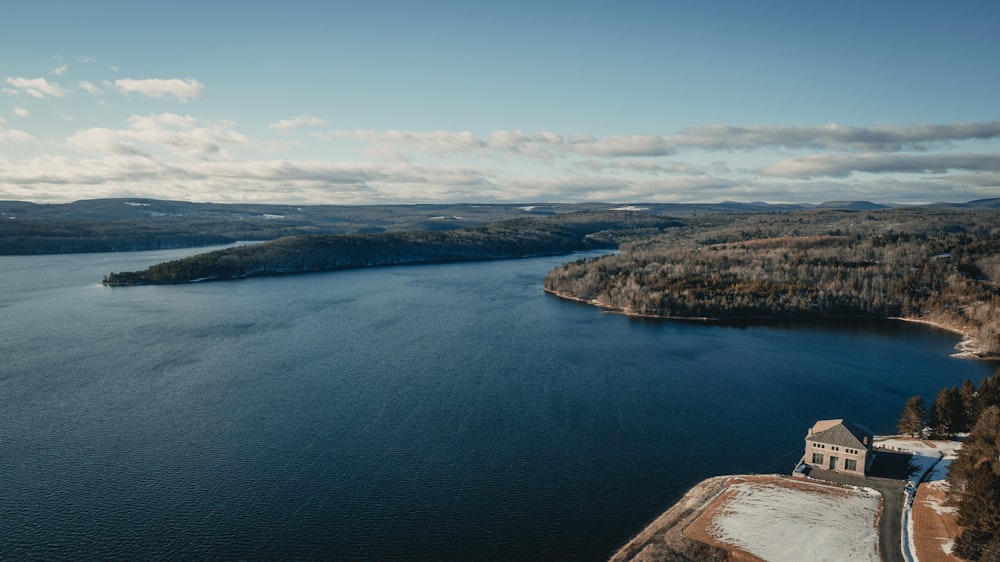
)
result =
(842, 433)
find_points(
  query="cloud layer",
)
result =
(181, 156)
(549, 145)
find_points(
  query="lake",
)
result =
(415, 413)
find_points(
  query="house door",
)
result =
(833, 463)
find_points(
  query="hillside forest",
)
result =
(940, 266)
(513, 238)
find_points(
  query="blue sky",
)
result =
(422, 102)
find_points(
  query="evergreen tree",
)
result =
(956, 412)
(988, 393)
(981, 447)
(912, 420)
(940, 420)
(979, 516)
(968, 394)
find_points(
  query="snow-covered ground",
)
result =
(630, 208)
(804, 522)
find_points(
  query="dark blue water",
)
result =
(427, 412)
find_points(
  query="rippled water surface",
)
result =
(425, 412)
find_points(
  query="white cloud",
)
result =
(638, 165)
(158, 88)
(880, 138)
(89, 87)
(60, 70)
(178, 135)
(843, 165)
(19, 111)
(432, 142)
(15, 135)
(549, 145)
(36, 87)
(297, 121)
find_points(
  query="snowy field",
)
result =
(803, 522)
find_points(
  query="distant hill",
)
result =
(993, 203)
(122, 224)
(851, 205)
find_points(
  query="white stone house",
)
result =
(841, 446)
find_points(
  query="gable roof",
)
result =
(842, 433)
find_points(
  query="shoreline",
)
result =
(968, 347)
(626, 312)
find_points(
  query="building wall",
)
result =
(843, 454)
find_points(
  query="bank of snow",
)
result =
(779, 523)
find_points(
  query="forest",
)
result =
(511, 238)
(117, 225)
(973, 415)
(940, 266)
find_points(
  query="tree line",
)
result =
(974, 476)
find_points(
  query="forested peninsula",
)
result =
(939, 266)
(512, 238)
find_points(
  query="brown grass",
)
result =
(931, 530)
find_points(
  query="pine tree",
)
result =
(988, 393)
(940, 420)
(981, 447)
(968, 394)
(979, 516)
(911, 421)
(956, 412)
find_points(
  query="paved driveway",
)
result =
(888, 475)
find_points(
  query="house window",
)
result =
(817, 458)
(851, 464)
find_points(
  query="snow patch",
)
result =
(802, 524)
(630, 208)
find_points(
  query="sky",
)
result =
(378, 101)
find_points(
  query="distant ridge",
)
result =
(128, 224)
(416, 215)
(993, 203)
(851, 205)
